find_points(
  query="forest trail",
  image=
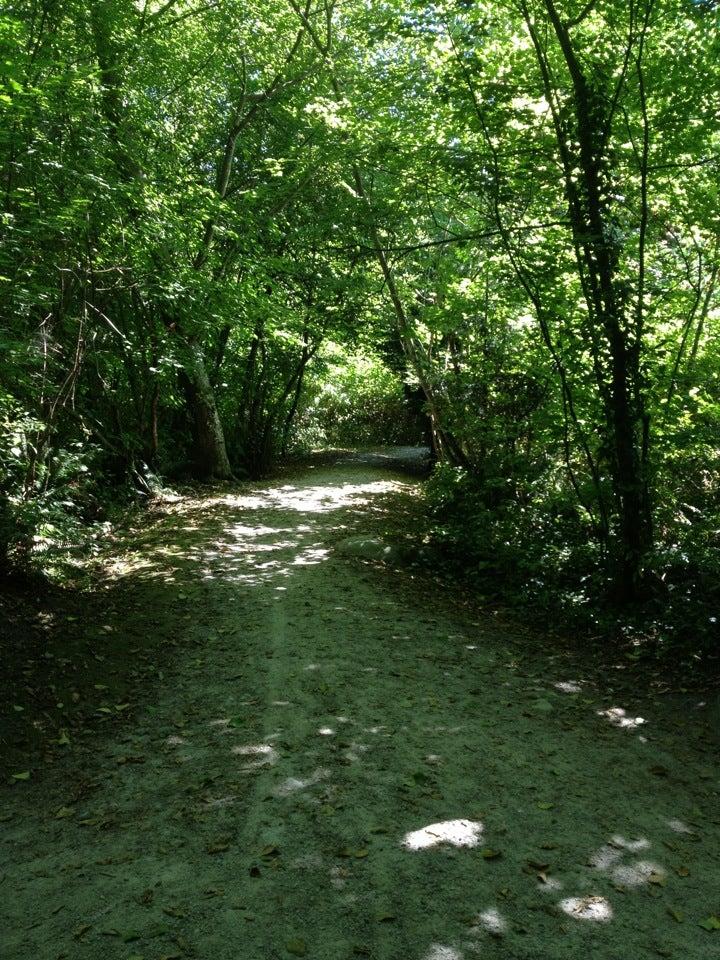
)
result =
(339, 765)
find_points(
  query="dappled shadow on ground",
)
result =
(235, 537)
(332, 765)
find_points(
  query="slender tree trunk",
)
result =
(211, 459)
(627, 421)
(294, 386)
(291, 414)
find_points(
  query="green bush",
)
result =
(528, 548)
(50, 495)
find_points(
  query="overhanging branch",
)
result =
(458, 238)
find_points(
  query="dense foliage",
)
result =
(509, 208)
(356, 401)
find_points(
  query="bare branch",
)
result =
(585, 12)
(196, 12)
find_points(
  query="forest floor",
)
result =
(255, 742)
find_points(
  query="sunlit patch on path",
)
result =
(619, 718)
(638, 873)
(293, 784)
(492, 921)
(678, 826)
(593, 908)
(610, 853)
(457, 833)
(613, 858)
(438, 951)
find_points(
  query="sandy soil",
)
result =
(338, 764)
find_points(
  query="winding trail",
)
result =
(337, 764)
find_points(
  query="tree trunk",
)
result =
(588, 170)
(211, 459)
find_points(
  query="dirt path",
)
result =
(336, 767)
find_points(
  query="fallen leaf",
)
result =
(677, 915)
(544, 705)
(178, 912)
(489, 854)
(711, 923)
(217, 847)
(297, 947)
(25, 775)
